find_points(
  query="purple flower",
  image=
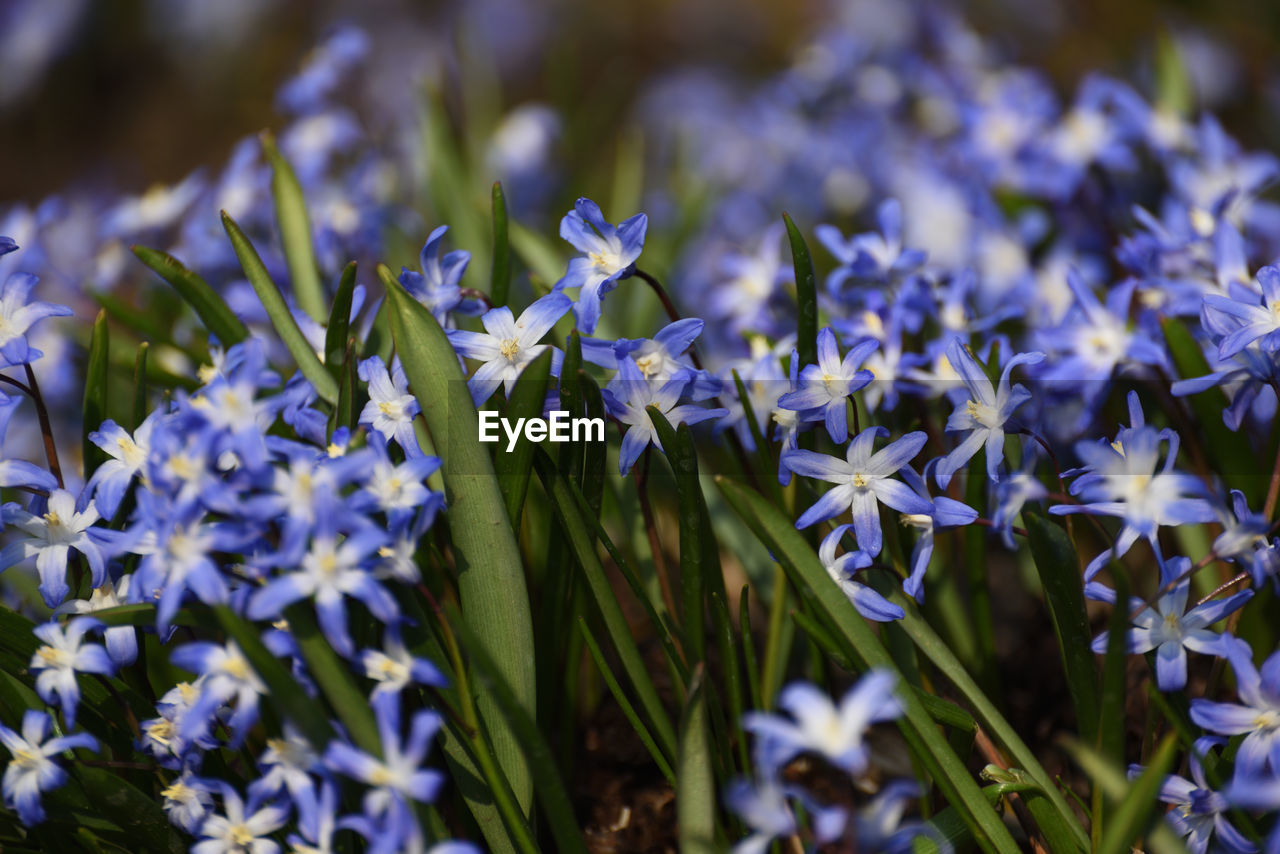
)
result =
(863, 483)
(508, 344)
(1257, 322)
(628, 398)
(869, 603)
(1170, 629)
(1199, 813)
(984, 414)
(826, 386)
(1256, 716)
(50, 538)
(609, 255)
(834, 732)
(436, 286)
(17, 315)
(63, 655)
(32, 769)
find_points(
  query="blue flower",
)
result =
(836, 733)
(946, 513)
(1125, 479)
(396, 777)
(826, 386)
(1259, 323)
(327, 65)
(330, 571)
(32, 769)
(20, 472)
(62, 656)
(17, 315)
(188, 800)
(660, 358)
(984, 414)
(869, 602)
(391, 407)
(436, 286)
(877, 256)
(394, 668)
(7, 245)
(225, 675)
(627, 399)
(50, 538)
(1199, 813)
(863, 482)
(609, 254)
(1170, 629)
(241, 827)
(1246, 539)
(1256, 716)
(128, 456)
(763, 805)
(508, 344)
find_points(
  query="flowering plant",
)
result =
(267, 584)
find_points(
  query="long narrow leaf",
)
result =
(95, 392)
(281, 318)
(491, 580)
(695, 784)
(806, 294)
(295, 233)
(514, 467)
(335, 336)
(922, 735)
(1110, 780)
(1059, 571)
(607, 603)
(500, 274)
(210, 308)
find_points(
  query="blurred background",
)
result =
(121, 95)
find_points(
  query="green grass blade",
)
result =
(281, 318)
(1108, 777)
(989, 718)
(623, 703)
(333, 677)
(335, 335)
(500, 274)
(790, 547)
(295, 234)
(140, 394)
(514, 468)
(209, 307)
(694, 563)
(624, 643)
(95, 392)
(552, 795)
(491, 581)
(806, 295)
(1135, 814)
(732, 675)
(695, 783)
(1059, 571)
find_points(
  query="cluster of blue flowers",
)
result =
(1030, 260)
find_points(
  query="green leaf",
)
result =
(500, 275)
(95, 392)
(922, 735)
(514, 467)
(1059, 570)
(628, 710)
(136, 813)
(288, 698)
(140, 402)
(491, 583)
(210, 308)
(333, 676)
(732, 674)
(990, 719)
(615, 622)
(697, 556)
(695, 784)
(538, 254)
(335, 336)
(552, 795)
(1136, 803)
(806, 295)
(295, 234)
(1136, 813)
(281, 318)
